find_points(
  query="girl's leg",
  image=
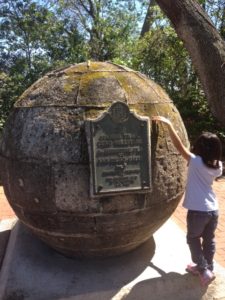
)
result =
(196, 222)
(208, 236)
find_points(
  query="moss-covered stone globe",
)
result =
(45, 164)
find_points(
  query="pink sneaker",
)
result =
(192, 268)
(206, 277)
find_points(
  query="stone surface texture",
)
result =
(45, 164)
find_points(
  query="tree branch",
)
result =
(205, 46)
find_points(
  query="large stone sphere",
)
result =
(45, 161)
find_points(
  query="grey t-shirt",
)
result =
(199, 194)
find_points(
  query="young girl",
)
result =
(204, 166)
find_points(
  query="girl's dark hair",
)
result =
(209, 147)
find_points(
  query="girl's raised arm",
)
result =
(182, 149)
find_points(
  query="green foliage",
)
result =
(162, 56)
(33, 40)
(7, 96)
(107, 25)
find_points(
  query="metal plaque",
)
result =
(119, 151)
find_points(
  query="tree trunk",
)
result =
(222, 26)
(205, 46)
(148, 18)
